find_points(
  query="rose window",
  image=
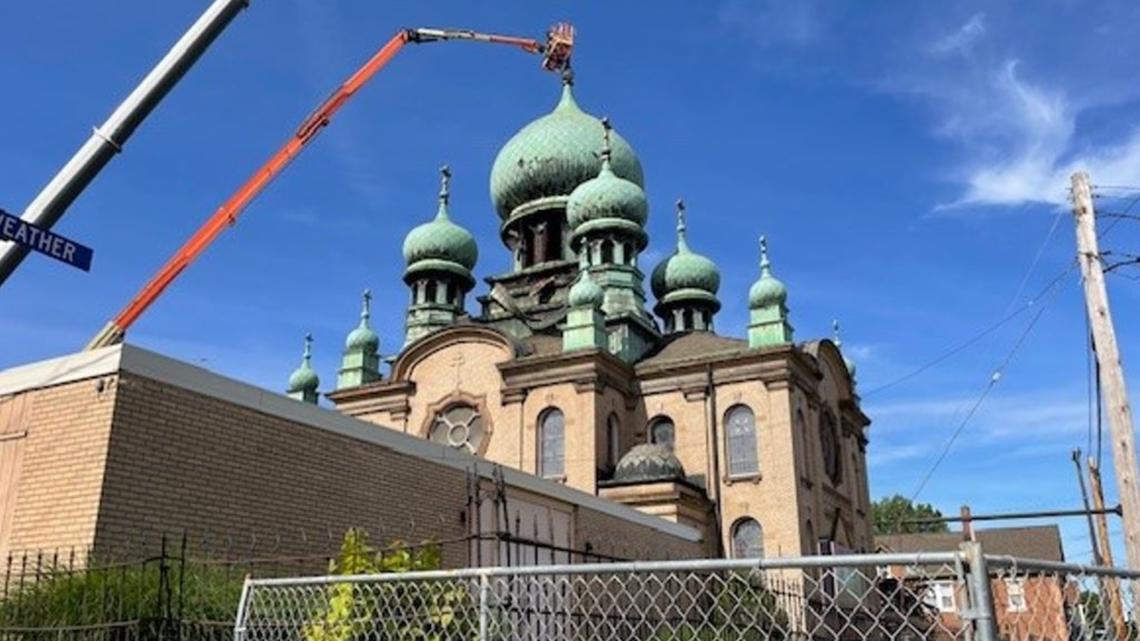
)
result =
(460, 426)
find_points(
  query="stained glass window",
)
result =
(552, 438)
(740, 430)
(460, 426)
(747, 539)
(663, 432)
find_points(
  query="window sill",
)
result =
(744, 478)
(559, 478)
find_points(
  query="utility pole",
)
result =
(1111, 371)
(1110, 587)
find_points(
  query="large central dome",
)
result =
(553, 155)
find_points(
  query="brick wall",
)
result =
(52, 449)
(180, 460)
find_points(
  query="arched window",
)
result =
(613, 442)
(747, 539)
(627, 253)
(551, 444)
(459, 425)
(740, 432)
(429, 292)
(663, 432)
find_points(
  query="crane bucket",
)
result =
(559, 43)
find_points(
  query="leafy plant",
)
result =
(389, 610)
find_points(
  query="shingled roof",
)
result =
(1032, 542)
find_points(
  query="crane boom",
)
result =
(556, 57)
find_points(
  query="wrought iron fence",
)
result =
(938, 596)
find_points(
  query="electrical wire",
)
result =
(993, 381)
(973, 339)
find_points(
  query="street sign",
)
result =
(40, 239)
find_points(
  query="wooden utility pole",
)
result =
(1111, 371)
(1110, 587)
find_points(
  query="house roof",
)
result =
(1041, 542)
(690, 344)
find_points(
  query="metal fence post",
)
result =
(484, 604)
(981, 596)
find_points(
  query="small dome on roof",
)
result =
(607, 196)
(585, 292)
(768, 290)
(362, 338)
(304, 379)
(554, 154)
(649, 462)
(685, 269)
(440, 239)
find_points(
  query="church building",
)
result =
(565, 371)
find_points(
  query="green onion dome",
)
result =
(768, 290)
(440, 243)
(607, 200)
(363, 338)
(685, 274)
(552, 155)
(585, 292)
(304, 379)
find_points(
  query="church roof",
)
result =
(692, 344)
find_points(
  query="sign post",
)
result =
(44, 241)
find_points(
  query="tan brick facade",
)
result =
(792, 496)
(153, 446)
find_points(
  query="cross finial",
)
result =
(682, 246)
(835, 333)
(444, 184)
(765, 264)
(365, 307)
(567, 76)
(607, 148)
(307, 355)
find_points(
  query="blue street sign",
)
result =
(44, 241)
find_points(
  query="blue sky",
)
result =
(908, 165)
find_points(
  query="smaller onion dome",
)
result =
(441, 243)
(585, 292)
(685, 273)
(607, 197)
(649, 462)
(850, 364)
(768, 290)
(363, 338)
(304, 379)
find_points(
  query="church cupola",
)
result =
(768, 307)
(439, 256)
(303, 382)
(607, 216)
(361, 361)
(850, 364)
(538, 168)
(685, 285)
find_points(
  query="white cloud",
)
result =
(961, 40)
(1019, 137)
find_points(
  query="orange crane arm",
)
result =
(556, 56)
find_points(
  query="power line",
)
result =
(993, 381)
(975, 338)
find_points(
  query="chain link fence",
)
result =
(938, 596)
